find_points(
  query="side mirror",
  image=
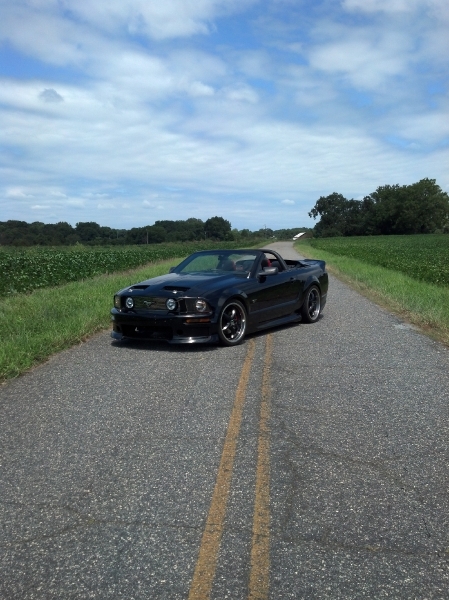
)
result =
(268, 271)
(171, 269)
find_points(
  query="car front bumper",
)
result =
(174, 329)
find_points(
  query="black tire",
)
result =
(311, 308)
(232, 323)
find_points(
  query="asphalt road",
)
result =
(309, 462)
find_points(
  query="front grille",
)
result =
(149, 303)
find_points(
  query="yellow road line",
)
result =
(259, 581)
(206, 564)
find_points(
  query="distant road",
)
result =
(309, 462)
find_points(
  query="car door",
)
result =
(274, 296)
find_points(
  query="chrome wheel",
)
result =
(232, 323)
(311, 308)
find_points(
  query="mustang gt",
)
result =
(220, 296)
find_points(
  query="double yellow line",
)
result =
(206, 564)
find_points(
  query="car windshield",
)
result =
(218, 262)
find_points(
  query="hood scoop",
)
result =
(138, 287)
(176, 288)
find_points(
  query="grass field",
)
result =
(396, 272)
(34, 326)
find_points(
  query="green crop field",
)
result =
(25, 270)
(408, 274)
(422, 257)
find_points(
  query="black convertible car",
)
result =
(220, 295)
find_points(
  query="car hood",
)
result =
(187, 284)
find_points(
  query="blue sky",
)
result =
(125, 112)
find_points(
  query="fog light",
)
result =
(171, 304)
(129, 303)
(201, 305)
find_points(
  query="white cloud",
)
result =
(159, 20)
(437, 7)
(152, 205)
(198, 89)
(424, 22)
(367, 63)
(255, 63)
(429, 129)
(110, 125)
(48, 37)
(152, 18)
(390, 6)
(242, 94)
(16, 192)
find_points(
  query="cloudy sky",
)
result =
(125, 112)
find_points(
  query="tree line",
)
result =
(20, 233)
(391, 210)
(421, 207)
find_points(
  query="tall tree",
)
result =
(392, 209)
(88, 231)
(418, 208)
(336, 213)
(218, 228)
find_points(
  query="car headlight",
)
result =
(129, 303)
(201, 305)
(117, 302)
(171, 304)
